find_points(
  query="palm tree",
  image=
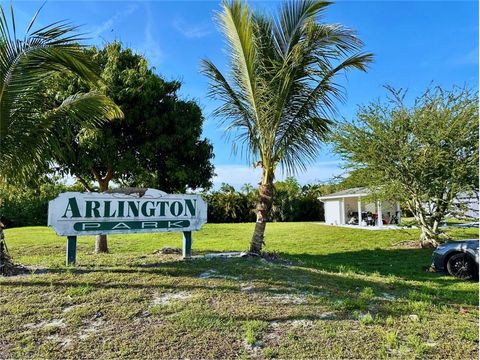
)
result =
(279, 97)
(28, 130)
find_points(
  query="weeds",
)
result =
(253, 330)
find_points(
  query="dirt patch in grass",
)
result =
(287, 299)
(408, 244)
(169, 251)
(91, 327)
(214, 274)
(54, 323)
(19, 270)
(247, 287)
(165, 299)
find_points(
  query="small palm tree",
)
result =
(280, 95)
(27, 120)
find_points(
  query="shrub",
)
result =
(291, 203)
(24, 206)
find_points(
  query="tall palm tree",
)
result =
(27, 120)
(279, 97)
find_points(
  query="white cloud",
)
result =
(118, 17)
(237, 175)
(191, 31)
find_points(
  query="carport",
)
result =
(344, 207)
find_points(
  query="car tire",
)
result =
(462, 266)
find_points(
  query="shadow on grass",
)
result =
(336, 277)
(409, 264)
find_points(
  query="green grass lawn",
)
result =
(343, 293)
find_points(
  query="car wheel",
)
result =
(461, 266)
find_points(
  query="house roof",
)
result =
(354, 192)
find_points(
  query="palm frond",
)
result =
(50, 49)
(89, 109)
(281, 94)
(26, 120)
(238, 27)
(43, 133)
(288, 29)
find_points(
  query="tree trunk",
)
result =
(263, 208)
(101, 244)
(6, 264)
(431, 235)
(427, 239)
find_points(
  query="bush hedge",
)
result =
(29, 206)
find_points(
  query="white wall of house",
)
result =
(332, 211)
(467, 206)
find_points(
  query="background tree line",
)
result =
(28, 205)
(292, 202)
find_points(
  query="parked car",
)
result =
(458, 258)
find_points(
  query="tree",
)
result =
(27, 120)
(424, 155)
(23, 205)
(226, 205)
(280, 95)
(158, 144)
(286, 201)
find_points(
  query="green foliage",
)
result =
(391, 339)
(424, 155)
(365, 319)
(270, 353)
(253, 330)
(28, 119)
(291, 203)
(158, 144)
(280, 92)
(416, 343)
(367, 294)
(229, 206)
(295, 203)
(24, 206)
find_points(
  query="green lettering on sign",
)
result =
(92, 207)
(130, 225)
(190, 206)
(72, 206)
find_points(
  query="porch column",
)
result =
(379, 214)
(399, 213)
(342, 211)
(359, 205)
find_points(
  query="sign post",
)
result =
(74, 214)
(71, 250)
(187, 245)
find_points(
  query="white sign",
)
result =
(77, 213)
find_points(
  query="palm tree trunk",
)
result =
(263, 208)
(6, 263)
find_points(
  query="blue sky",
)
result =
(415, 43)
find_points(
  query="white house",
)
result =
(343, 207)
(466, 206)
